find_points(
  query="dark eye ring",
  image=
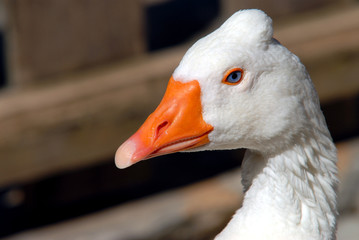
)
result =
(233, 76)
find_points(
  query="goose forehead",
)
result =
(202, 62)
(201, 66)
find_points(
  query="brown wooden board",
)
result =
(50, 37)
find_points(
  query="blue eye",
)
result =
(233, 77)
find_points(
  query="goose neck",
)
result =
(289, 194)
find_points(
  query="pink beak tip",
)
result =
(124, 154)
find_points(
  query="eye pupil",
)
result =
(234, 75)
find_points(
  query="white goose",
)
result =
(240, 88)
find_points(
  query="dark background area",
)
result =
(174, 22)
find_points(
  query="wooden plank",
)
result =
(178, 214)
(348, 153)
(79, 122)
(312, 37)
(82, 119)
(51, 37)
(2, 16)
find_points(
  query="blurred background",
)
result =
(78, 77)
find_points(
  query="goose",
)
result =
(238, 87)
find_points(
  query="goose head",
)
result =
(235, 88)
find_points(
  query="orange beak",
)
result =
(176, 125)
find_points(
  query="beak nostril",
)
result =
(161, 128)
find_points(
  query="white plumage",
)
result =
(289, 169)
